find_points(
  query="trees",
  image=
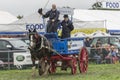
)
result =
(97, 5)
(20, 16)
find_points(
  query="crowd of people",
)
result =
(100, 53)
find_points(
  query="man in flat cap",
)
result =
(67, 27)
(53, 21)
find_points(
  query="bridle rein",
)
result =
(44, 42)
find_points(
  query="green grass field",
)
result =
(95, 72)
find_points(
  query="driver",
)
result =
(53, 21)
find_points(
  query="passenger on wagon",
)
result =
(67, 27)
(53, 21)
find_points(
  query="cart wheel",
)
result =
(52, 68)
(74, 66)
(83, 60)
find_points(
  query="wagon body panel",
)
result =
(66, 46)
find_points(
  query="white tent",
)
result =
(19, 26)
(81, 19)
(7, 18)
(33, 18)
(31, 21)
(111, 18)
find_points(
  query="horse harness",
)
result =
(44, 43)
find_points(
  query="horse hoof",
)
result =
(33, 75)
(45, 74)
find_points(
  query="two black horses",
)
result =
(40, 51)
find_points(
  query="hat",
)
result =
(65, 16)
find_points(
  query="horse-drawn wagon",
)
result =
(68, 52)
(50, 50)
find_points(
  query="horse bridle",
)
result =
(37, 42)
(42, 42)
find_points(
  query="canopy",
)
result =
(111, 18)
(81, 19)
(6, 18)
(79, 34)
(19, 26)
(98, 34)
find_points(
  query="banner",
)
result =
(38, 27)
(114, 32)
(88, 30)
(69, 11)
(75, 44)
(111, 5)
(22, 59)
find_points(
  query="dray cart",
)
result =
(68, 52)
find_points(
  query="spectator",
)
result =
(98, 43)
(106, 51)
(87, 42)
(99, 55)
(112, 56)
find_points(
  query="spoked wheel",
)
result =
(83, 60)
(74, 66)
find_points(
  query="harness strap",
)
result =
(42, 43)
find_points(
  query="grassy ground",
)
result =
(95, 72)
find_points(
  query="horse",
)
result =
(40, 50)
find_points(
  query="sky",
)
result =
(27, 7)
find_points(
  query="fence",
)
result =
(107, 54)
(14, 59)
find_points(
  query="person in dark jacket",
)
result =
(53, 21)
(87, 42)
(67, 27)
